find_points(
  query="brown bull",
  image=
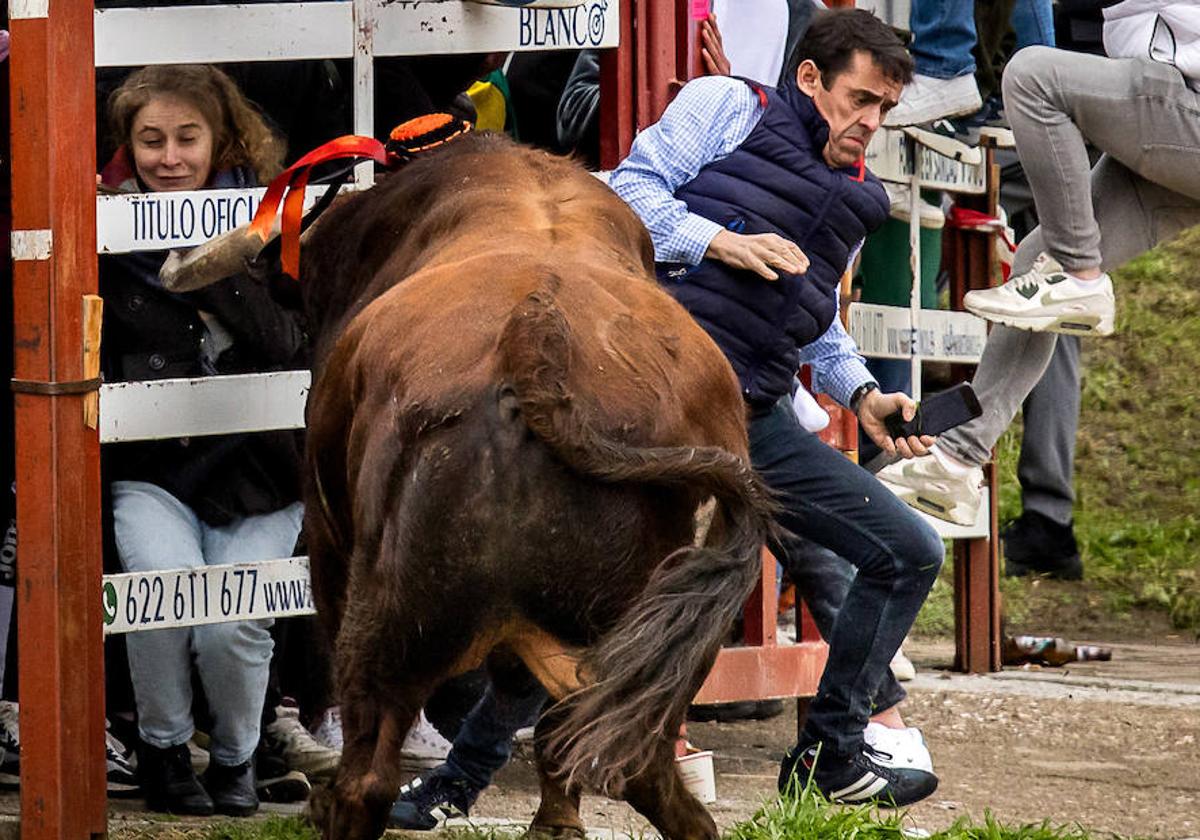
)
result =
(510, 430)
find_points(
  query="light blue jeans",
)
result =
(944, 33)
(157, 532)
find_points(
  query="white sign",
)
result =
(162, 220)
(888, 332)
(187, 597)
(890, 157)
(273, 31)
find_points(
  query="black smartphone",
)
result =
(937, 413)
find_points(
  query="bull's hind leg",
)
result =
(377, 709)
(387, 668)
(558, 813)
(658, 795)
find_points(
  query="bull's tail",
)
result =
(641, 675)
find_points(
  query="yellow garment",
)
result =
(490, 106)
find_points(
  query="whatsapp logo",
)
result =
(110, 603)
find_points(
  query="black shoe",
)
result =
(430, 798)
(169, 782)
(1037, 545)
(855, 779)
(740, 710)
(232, 788)
(274, 781)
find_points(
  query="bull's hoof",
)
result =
(320, 804)
(556, 832)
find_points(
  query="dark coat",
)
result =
(776, 181)
(150, 333)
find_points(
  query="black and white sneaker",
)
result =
(121, 775)
(855, 779)
(432, 797)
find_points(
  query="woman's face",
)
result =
(172, 145)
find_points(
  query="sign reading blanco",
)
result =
(579, 26)
(187, 597)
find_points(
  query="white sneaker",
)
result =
(902, 749)
(299, 749)
(1047, 299)
(902, 668)
(926, 99)
(923, 483)
(424, 747)
(329, 731)
(900, 196)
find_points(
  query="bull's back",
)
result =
(636, 363)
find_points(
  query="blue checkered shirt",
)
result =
(710, 118)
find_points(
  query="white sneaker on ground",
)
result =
(298, 748)
(1048, 299)
(900, 196)
(926, 99)
(424, 747)
(929, 485)
(329, 731)
(902, 749)
(902, 668)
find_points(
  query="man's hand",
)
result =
(712, 49)
(759, 252)
(872, 410)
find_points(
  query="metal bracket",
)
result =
(56, 389)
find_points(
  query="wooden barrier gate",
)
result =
(55, 45)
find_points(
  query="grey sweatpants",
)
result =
(1144, 190)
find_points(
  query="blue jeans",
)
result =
(823, 579)
(157, 532)
(944, 33)
(484, 743)
(837, 504)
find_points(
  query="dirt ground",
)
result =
(1113, 746)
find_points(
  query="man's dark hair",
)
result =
(835, 34)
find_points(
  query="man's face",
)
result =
(854, 105)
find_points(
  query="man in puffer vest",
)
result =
(757, 199)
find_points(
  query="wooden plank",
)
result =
(138, 601)
(278, 31)
(763, 673)
(194, 34)
(208, 405)
(93, 315)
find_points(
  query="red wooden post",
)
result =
(618, 114)
(58, 458)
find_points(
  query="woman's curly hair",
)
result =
(241, 136)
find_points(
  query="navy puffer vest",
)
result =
(776, 181)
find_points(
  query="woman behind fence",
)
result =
(189, 503)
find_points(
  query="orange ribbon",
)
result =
(293, 180)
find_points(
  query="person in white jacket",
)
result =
(1140, 107)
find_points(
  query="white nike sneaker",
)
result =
(926, 99)
(903, 749)
(923, 483)
(1047, 299)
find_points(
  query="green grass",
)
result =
(1137, 459)
(809, 816)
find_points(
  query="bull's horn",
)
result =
(218, 258)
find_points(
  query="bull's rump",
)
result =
(637, 364)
